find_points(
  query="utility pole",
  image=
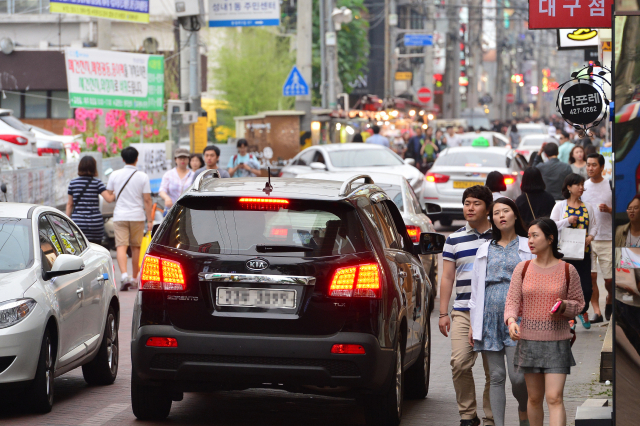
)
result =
(323, 55)
(303, 58)
(452, 65)
(331, 57)
(500, 77)
(475, 52)
(104, 34)
(429, 27)
(194, 81)
(392, 31)
(184, 65)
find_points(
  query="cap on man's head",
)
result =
(181, 152)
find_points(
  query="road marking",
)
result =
(105, 415)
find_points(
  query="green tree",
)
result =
(353, 46)
(251, 67)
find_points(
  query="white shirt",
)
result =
(452, 140)
(130, 203)
(596, 194)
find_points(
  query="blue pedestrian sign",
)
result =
(418, 40)
(295, 84)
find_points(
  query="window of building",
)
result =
(60, 105)
(24, 6)
(35, 104)
(12, 101)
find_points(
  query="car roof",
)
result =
(298, 188)
(492, 149)
(348, 146)
(382, 178)
(542, 136)
(17, 210)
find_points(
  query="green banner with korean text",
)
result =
(115, 80)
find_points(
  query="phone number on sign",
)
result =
(583, 110)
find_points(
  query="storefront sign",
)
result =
(115, 80)
(550, 14)
(581, 38)
(120, 10)
(581, 104)
(230, 13)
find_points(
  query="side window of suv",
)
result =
(67, 235)
(384, 225)
(49, 247)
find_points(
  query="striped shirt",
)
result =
(87, 207)
(461, 247)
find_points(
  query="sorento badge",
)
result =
(257, 264)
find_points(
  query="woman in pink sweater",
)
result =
(543, 351)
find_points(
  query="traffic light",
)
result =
(517, 78)
(437, 79)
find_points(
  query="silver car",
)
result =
(403, 196)
(494, 138)
(532, 143)
(457, 169)
(59, 306)
(351, 156)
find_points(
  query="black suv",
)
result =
(310, 286)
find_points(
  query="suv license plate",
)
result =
(256, 298)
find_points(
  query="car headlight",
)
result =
(14, 311)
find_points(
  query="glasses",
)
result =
(633, 209)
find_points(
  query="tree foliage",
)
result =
(353, 46)
(251, 67)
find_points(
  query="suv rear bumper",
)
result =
(208, 361)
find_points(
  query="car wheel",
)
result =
(445, 222)
(418, 374)
(41, 389)
(103, 369)
(149, 402)
(386, 409)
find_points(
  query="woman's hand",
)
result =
(560, 310)
(573, 220)
(514, 330)
(587, 241)
(471, 336)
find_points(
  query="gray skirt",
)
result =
(552, 357)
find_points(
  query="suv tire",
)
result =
(386, 409)
(149, 402)
(40, 392)
(103, 369)
(418, 375)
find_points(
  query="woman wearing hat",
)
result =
(176, 180)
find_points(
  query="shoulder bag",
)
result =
(125, 184)
(75, 203)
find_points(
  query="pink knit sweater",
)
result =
(533, 299)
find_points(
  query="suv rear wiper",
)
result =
(262, 248)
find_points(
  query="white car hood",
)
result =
(409, 172)
(14, 284)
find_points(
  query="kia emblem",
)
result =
(257, 264)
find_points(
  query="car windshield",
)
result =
(227, 226)
(364, 158)
(476, 158)
(524, 131)
(14, 122)
(15, 244)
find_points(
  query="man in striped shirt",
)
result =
(458, 255)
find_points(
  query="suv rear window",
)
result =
(304, 228)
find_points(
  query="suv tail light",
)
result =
(356, 281)
(161, 274)
(437, 177)
(15, 139)
(47, 151)
(162, 342)
(414, 233)
(509, 180)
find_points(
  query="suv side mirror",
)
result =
(316, 165)
(430, 243)
(64, 264)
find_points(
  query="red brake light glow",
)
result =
(356, 281)
(348, 349)
(47, 151)
(15, 139)
(509, 180)
(274, 204)
(279, 232)
(437, 178)
(264, 201)
(161, 274)
(414, 233)
(162, 342)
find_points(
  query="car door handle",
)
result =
(402, 274)
(79, 292)
(101, 277)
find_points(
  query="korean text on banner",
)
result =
(120, 10)
(237, 13)
(549, 14)
(115, 80)
(152, 159)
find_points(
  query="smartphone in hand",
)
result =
(556, 306)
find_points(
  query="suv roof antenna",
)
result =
(267, 187)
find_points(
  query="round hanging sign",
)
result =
(581, 104)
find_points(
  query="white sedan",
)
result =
(343, 157)
(59, 306)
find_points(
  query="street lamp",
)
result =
(341, 16)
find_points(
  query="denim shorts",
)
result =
(553, 357)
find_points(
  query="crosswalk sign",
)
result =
(295, 84)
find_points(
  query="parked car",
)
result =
(414, 216)
(494, 138)
(459, 168)
(525, 129)
(353, 156)
(16, 137)
(59, 306)
(66, 140)
(531, 144)
(304, 285)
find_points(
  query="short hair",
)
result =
(565, 134)
(129, 155)
(635, 197)
(600, 158)
(480, 192)
(549, 229)
(242, 142)
(532, 181)
(514, 128)
(551, 149)
(449, 127)
(589, 149)
(376, 129)
(572, 179)
(211, 148)
(571, 157)
(87, 166)
(199, 157)
(495, 182)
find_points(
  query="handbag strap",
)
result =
(530, 208)
(75, 203)
(125, 184)
(524, 270)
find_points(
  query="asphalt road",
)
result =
(76, 403)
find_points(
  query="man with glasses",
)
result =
(565, 147)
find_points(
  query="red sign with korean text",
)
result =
(549, 14)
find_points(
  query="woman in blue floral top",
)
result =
(492, 271)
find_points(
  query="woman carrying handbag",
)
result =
(576, 214)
